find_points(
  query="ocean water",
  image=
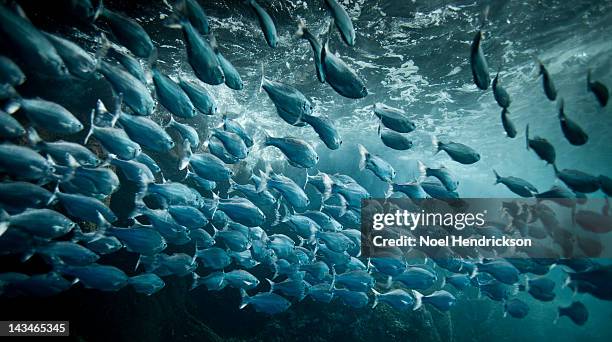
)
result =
(412, 55)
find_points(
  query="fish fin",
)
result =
(92, 126)
(443, 283)
(376, 295)
(527, 136)
(333, 281)
(33, 137)
(437, 144)
(497, 177)
(418, 298)
(301, 30)
(363, 156)
(186, 154)
(117, 109)
(12, 106)
(264, 176)
(389, 191)
(99, 11)
(271, 284)
(245, 299)
(4, 221)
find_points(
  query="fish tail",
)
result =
(418, 300)
(264, 175)
(4, 221)
(376, 295)
(389, 192)
(102, 51)
(196, 279)
(589, 79)
(12, 106)
(33, 137)
(92, 126)
(99, 11)
(327, 184)
(271, 284)
(245, 299)
(422, 169)
(301, 30)
(333, 281)
(363, 156)
(186, 154)
(497, 177)
(527, 136)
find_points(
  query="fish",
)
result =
(96, 276)
(186, 131)
(232, 77)
(214, 257)
(205, 184)
(343, 21)
(458, 152)
(88, 209)
(67, 253)
(114, 140)
(23, 195)
(541, 289)
(197, 16)
(294, 286)
(478, 63)
(417, 278)
(321, 293)
(10, 73)
(413, 190)
(162, 221)
(298, 152)
(501, 95)
(98, 182)
(547, 83)
(201, 99)
(47, 115)
(571, 130)
(342, 78)
(266, 23)
(459, 281)
(500, 269)
(304, 33)
(172, 96)
(382, 169)
(351, 298)
(577, 312)
(263, 199)
(61, 151)
(394, 140)
(188, 216)
(541, 147)
(32, 47)
(131, 64)
(360, 281)
(129, 33)
(241, 279)
(7, 92)
(244, 259)
(200, 54)
(232, 142)
(78, 61)
(398, 299)
(598, 89)
(323, 220)
(577, 180)
(322, 182)
(508, 124)
(39, 285)
(440, 299)
(104, 245)
(235, 127)
(215, 147)
(394, 118)
(442, 174)
(287, 187)
(318, 270)
(305, 227)
(335, 241)
(210, 167)
(290, 103)
(146, 132)
(139, 239)
(134, 93)
(146, 283)
(23, 163)
(234, 240)
(265, 302)
(593, 221)
(516, 308)
(178, 264)
(325, 129)
(517, 185)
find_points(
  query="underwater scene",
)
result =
(208, 170)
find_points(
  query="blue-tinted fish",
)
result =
(341, 77)
(266, 302)
(576, 311)
(294, 286)
(516, 308)
(172, 96)
(215, 281)
(78, 61)
(572, 131)
(500, 269)
(146, 132)
(61, 151)
(321, 293)
(175, 193)
(22, 195)
(114, 140)
(96, 276)
(541, 289)
(394, 118)
(178, 264)
(353, 299)
(236, 128)
(578, 181)
(287, 187)
(541, 147)
(105, 245)
(129, 33)
(416, 278)
(234, 240)
(393, 139)
(343, 21)
(501, 95)
(241, 279)
(413, 190)
(10, 73)
(135, 93)
(304, 33)
(398, 299)
(200, 97)
(508, 124)
(382, 169)
(290, 103)
(242, 211)
(459, 281)
(442, 174)
(47, 115)
(322, 182)
(210, 167)
(517, 185)
(298, 152)
(98, 182)
(146, 283)
(598, 89)
(145, 159)
(45, 223)
(441, 299)
(10, 128)
(478, 63)
(244, 259)
(214, 257)
(188, 216)
(325, 129)
(232, 77)
(547, 82)
(68, 253)
(201, 182)
(139, 239)
(24, 163)
(359, 280)
(86, 208)
(131, 64)
(32, 47)
(266, 23)
(232, 142)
